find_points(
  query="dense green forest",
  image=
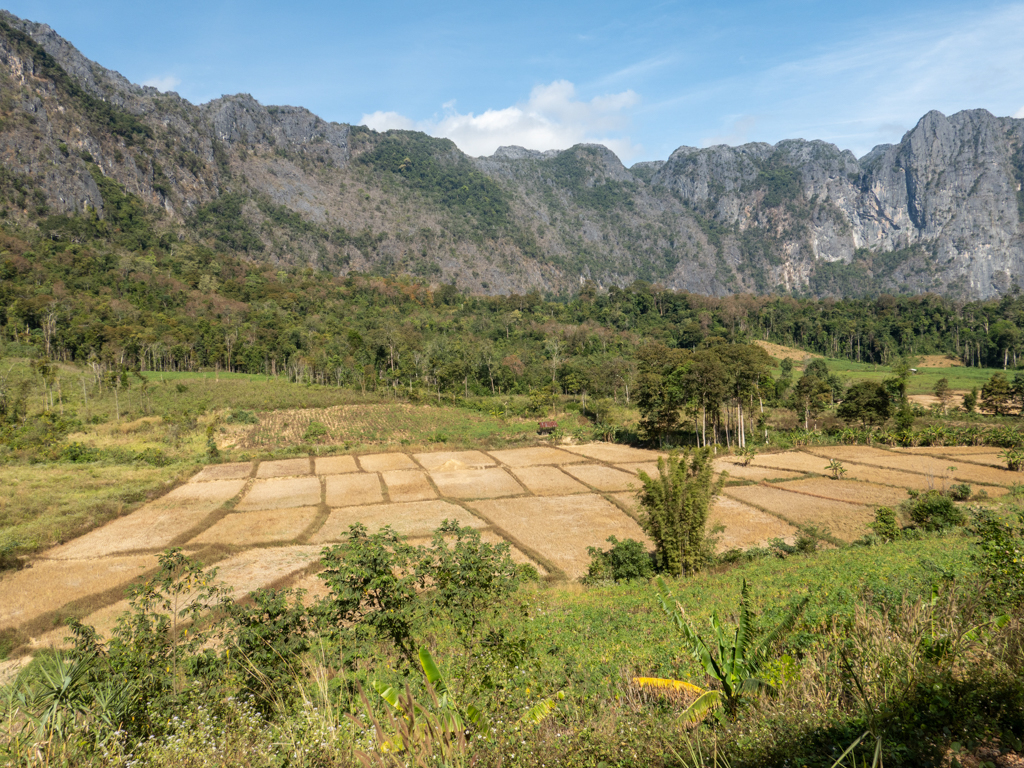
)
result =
(121, 293)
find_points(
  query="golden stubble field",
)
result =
(265, 523)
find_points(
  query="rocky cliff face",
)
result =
(942, 210)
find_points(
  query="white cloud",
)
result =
(551, 118)
(1019, 113)
(168, 83)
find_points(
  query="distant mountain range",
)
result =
(941, 211)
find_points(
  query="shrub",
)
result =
(625, 560)
(960, 492)
(885, 525)
(315, 432)
(933, 511)
(239, 416)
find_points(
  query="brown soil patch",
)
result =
(939, 361)
(419, 518)
(613, 453)
(264, 527)
(560, 528)
(283, 468)
(930, 466)
(50, 584)
(335, 465)
(530, 457)
(236, 471)
(604, 478)
(281, 494)
(257, 568)
(746, 527)
(350, 490)
(751, 472)
(852, 491)
(408, 485)
(382, 462)
(842, 520)
(548, 481)
(489, 483)
(471, 459)
(152, 527)
(780, 352)
(956, 399)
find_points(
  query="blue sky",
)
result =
(641, 77)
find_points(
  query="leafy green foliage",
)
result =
(734, 662)
(1001, 559)
(624, 561)
(675, 508)
(933, 511)
(885, 525)
(222, 220)
(435, 168)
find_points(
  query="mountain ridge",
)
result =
(941, 210)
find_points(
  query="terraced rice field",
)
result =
(266, 523)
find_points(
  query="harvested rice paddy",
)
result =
(549, 503)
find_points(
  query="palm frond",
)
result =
(705, 703)
(666, 684)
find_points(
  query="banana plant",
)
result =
(734, 659)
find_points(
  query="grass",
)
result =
(920, 383)
(46, 504)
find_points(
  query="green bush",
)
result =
(885, 525)
(239, 416)
(625, 560)
(315, 432)
(933, 511)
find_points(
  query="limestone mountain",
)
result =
(82, 147)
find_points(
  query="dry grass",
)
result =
(794, 461)
(560, 528)
(281, 494)
(779, 352)
(408, 485)
(335, 465)
(852, 491)
(844, 521)
(904, 480)
(612, 453)
(745, 526)
(939, 361)
(648, 467)
(284, 468)
(156, 525)
(739, 472)
(530, 457)
(937, 468)
(467, 459)
(548, 481)
(349, 490)
(244, 529)
(45, 504)
(604, 478)
(419, 518)
(256, 568)
(383, 462)
(50, 584)
(236, 471)
(491, 483)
